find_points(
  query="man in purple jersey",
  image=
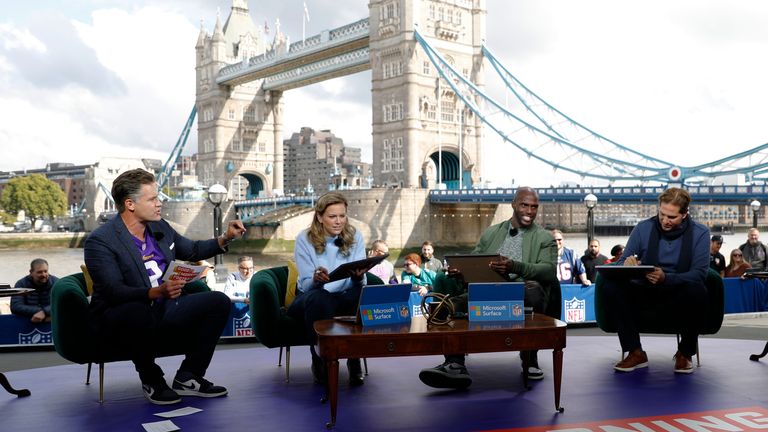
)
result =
(133, 309)
(569, 268)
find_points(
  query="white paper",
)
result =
(178, 412)
(185, 271)
(161, 426)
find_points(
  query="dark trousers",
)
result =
(685, 305)
(536, 298)
(191, 324)
(319, 304)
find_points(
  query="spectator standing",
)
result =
(569, 269)
(593, 258)
(754, 250)
(385, 270)
(414, 274)
(238, 285)
(737, 266)
(616, 252)
(36, 305)
(716, 259)
(428, 260)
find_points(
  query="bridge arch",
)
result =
(248, 185)
(451, 170)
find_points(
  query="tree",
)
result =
(36, 195)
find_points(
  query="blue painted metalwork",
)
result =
(544, 133)
(165, 171)
(736, 195)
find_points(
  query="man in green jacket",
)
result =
(528, 254)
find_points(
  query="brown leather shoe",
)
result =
(683, 363)
(635, 360)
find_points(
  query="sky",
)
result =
(682, 81)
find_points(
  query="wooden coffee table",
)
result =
(337, 340)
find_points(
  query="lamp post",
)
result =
(755, 206)
(216, 194)
(590, 201)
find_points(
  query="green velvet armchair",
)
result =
(72, 335)
(271, 324)
(661, 320)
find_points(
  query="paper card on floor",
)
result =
(178, 412)
(161, 426)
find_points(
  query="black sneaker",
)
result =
(447, 375)
(160, 394)
(187, 384)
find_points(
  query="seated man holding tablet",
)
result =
(329, 242)
(521, 252)
(677, 250)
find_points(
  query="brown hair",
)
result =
(413, 257)
(676, 196)
(128, 185)
(316, 232)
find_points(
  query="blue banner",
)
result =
(578, 303)
(385, 304)
(496, 301)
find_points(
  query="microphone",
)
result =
(338, 242)
(513, 231)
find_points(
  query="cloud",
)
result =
(50, 55)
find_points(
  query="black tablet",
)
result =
(7, 292)
(475, 268)
(347, 269)
(623, 272)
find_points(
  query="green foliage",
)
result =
(36, 195)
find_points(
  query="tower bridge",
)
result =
(430, 111)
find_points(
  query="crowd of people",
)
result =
(140, 310)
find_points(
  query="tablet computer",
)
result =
(623, 272)
(475, 268)
(347, 269)
(7, 292)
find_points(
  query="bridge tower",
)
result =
(239, 127)
(421, 131)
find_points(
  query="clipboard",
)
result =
(347, 269)
(623, 272)
(475, 268)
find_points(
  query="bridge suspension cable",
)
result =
(544, 133)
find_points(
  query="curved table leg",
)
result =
(756, 357)
(7, 386)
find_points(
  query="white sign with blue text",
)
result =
(385, 304)
(501, 301)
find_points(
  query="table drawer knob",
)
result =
(508, 341)
(391, 346)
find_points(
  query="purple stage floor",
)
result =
(393, 398)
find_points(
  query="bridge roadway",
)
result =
(723, 194)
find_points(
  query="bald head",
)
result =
(525, 206)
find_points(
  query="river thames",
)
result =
(14, 263)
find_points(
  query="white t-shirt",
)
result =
(237, 288)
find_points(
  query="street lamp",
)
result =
(755, 206)
(216, 194)
(590, 201)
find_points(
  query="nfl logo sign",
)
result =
(242, 326)
(35, 337)
(574, 310)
